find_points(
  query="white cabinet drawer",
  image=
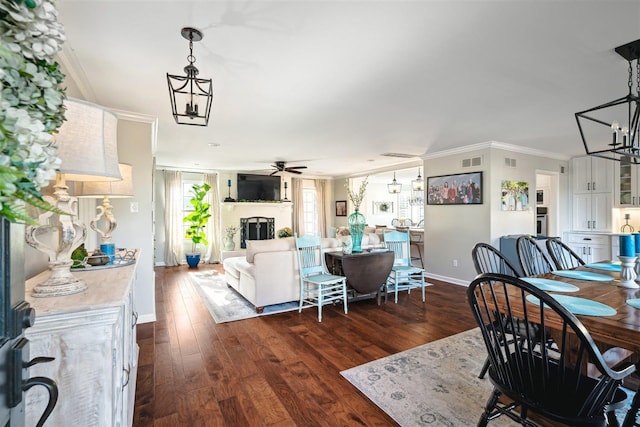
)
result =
(590, 239)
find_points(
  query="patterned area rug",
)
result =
(435, 384)
(225, 304)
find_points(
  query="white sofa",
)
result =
(268, 273)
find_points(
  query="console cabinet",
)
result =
(592, 194)
(92, 336)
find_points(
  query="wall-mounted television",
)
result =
(258, 187)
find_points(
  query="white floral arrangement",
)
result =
(31, 104)
(231, 231)
(357, 198)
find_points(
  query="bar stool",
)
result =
(416, 239)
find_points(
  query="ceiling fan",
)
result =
(281, 166)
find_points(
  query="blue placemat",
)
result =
(551, 285)
(605, 266)
(583, 275)
(582, 306)
(635, 303)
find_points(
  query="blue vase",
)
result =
(193, 260)
(357, 222)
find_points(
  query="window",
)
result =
(310, 209)
(186, 197)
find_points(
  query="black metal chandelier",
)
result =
(189, 90)
(613, 128)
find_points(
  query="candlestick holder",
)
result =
(628, 273)
(228, 198)
(626, 227)
(285, 193)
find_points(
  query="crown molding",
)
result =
(133, 117)
(496, 145)
(73, 70)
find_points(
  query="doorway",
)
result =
(547, 203)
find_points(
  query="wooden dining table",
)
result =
(620, 330)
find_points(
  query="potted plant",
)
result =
(197, 220)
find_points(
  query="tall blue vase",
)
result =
(357, 222)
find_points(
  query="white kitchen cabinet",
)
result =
(92, 336)
(592, 174)
(590, 247)
(592, 194)
(627, 183)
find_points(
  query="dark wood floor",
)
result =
(277, 370)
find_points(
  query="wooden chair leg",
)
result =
(485, 368)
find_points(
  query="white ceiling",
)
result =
(334, 84)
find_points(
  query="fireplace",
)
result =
(256, 228)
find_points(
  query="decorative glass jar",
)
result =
(357, 223)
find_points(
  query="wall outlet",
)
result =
(134, 207)
(455, 262)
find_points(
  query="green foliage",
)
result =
(199, 217)
(31, 104)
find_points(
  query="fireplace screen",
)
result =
(256, 228)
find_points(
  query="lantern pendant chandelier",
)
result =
(190, 91)
(611, 130)
(394, 187)
(418, 183)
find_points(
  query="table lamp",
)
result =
(107, 190)
(87, 146)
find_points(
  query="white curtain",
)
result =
(173, 225)
(298, 208)
(323, 199)
(213, 254)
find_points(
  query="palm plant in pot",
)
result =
(197, 220)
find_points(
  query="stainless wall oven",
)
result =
(541, 221)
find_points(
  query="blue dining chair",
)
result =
(403, 276)
(317, 286)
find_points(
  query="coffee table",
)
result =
(366, 272)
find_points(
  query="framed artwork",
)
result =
(382, 207)
(456, 189)
(515, 196)
(341, 208)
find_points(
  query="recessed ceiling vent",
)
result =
(472, 162)
(400, 155)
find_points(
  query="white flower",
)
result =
(356, 199)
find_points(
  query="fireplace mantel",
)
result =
(272, 205)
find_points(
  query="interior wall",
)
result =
(135, 228)
(451, 231)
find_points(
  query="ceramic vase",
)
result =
(357, 222)
(347, 244)
(229, 244)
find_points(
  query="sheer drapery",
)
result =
(298, 205)
(213, 254)
(173, 225)
(323, 198)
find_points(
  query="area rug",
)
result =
(435, 384)
(225, 304)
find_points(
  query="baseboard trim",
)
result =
(160, 264)
(147, 318)
(452, 280)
